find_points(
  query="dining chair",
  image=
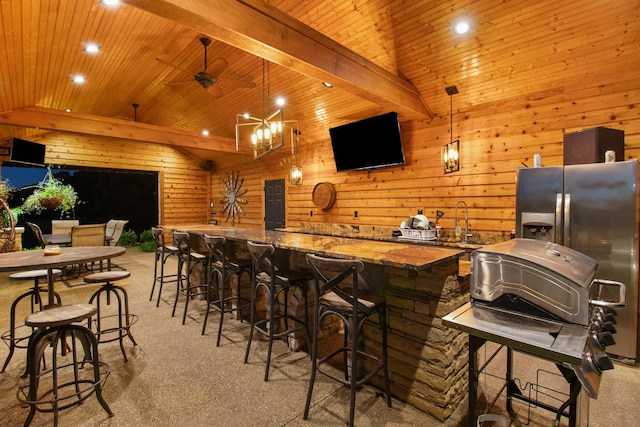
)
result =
(275, 282)
(113, 231)
(37, 231)
(63, 226)
(88, 235)
(341, 292)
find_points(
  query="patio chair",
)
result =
(114, 230)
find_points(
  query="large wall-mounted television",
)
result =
(368, 144)
(23, 151)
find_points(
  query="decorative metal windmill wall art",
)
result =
(232, 190)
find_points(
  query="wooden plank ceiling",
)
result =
(381, 55)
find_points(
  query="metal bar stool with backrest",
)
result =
(274, 282)
(223, 268)
(188, 261)
(163, 253)
(341, 291)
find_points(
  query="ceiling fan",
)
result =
(210, 78)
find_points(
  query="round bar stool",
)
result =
(105, 327)
(75, 374)
(12, 337)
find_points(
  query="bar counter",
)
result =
(421, 285)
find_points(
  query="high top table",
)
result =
(36, 259)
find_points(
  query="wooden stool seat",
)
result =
(75, 374)
(111, 325)
(33, 274)
(60, 315)
(106, 276)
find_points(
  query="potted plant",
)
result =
(51, 193)
(6, 189)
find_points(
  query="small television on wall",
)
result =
(368, 144)
(28, 152)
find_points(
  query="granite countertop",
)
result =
(450, 243)
(392, 252)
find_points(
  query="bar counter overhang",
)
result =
(427, 361)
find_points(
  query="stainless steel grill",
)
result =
(543, 299)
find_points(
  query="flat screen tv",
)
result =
(23, 151)
(368, 144)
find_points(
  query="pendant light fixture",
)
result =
(451, 151)
(269, 132)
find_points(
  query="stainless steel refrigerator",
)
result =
(594, 209)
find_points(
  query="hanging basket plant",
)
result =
(6, 189)
(51, 193)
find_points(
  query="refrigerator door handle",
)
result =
(566, 241)
(557, 236)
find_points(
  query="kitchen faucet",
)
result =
(466, 234)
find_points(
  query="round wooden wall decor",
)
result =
(324, 195)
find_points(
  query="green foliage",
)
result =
(128, 239)
(6, 188)
(16, 212)
(51, 187)
(147, 246)
(146, 236)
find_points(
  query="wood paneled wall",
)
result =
(183, 187)
(565, 83)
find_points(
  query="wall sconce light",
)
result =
(296, 175)
(451, 151)
(451, 156)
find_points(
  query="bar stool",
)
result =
(163, 252)
(73, 347)
(341, 292)
(103, 320)
(187, 262)
(274, 282)
(11, 337)
(223, 267)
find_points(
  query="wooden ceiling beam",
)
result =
(266, 32)
(56, 120)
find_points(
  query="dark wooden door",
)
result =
(273, 204)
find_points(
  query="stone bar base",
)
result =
(427, 361)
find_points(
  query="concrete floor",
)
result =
(177, 377)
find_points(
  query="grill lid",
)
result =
(551, 276)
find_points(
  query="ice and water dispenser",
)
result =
(537, 225)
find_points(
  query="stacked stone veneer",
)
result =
(427, 361)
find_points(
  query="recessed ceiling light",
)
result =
(68, 110)
(205, 132)
(462, 27)
(327, 84)
(91, 48)
(110, 2)
(79, 79)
